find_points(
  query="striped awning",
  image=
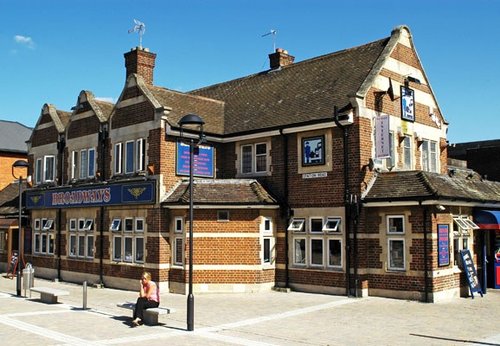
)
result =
(487, 219)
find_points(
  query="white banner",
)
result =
(382, 145)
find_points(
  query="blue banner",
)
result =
(203, 160)
(112, 194)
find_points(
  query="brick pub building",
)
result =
(327, 175)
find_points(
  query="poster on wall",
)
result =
(443, 245)
(313, 151)
(407, 104)
(203, 160)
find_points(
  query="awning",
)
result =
(487, 219)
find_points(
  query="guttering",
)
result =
(426, 257)
(221, 206)
(416, 202)
(276, 131)
(287, 207)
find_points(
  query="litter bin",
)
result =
(28, 278)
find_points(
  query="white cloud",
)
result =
(106, 99)
(25, 41)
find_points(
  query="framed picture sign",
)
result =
(313, 151)
(443, 245)
(407, 104)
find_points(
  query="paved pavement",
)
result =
(270, 318)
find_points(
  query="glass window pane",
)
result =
(300, 251)
(129, 157)
(49, 168)
(37, 242)
(81, 246)
(118, 158)
(260, 157)
(178, 251)
(267, 250)
(83, 164)
(51, 243)
(316, 225)
(91, 160)
(139, 249)
(90, 246)
(334, 252)
(128, 250)
(396, 254)
(129, 225)
(407, 153)
(44, 243)
(72, 245)
(246, 160)
(317, 251)
(117, 248)
(396, 224)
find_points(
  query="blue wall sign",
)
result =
(109, 194)
(203, 160)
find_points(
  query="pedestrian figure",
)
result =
(149, 297)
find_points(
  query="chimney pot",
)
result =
(280, 58)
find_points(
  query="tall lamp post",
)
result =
(19, 164)
(193, 122)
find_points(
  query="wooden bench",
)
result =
(151, 314)
(49, 295)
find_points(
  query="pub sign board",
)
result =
(443, 245)
(203, 160)
(143, 192)
(470, 273)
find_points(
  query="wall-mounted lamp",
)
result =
(409, 79)
(440, 207)
(401, 134)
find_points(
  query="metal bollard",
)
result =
(85, 295)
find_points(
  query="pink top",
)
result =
(155, 294)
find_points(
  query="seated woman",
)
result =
(149, 297)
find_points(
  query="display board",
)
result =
(470, 273)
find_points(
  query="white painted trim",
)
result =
(217, 206)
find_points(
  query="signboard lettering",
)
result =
(470, 273)
(443, 245)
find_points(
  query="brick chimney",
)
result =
(280, 58)
(141, 61)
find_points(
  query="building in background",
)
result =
(13, 137)
(327, 175)
(480, 156)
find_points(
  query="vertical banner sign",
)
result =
(203, 160)
(382, 145)
(470, 273)
(443, 245)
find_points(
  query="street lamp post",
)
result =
(19, 164)
(192, 121)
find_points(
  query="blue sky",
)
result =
(51, 50)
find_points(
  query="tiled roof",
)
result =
(419, 185)
(13, 136)
(182, 104)
(222, 192)
(9, 201)
(298, 93)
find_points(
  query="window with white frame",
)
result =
(396, 243)
(81, 238)
(396, 254)
(43, 236)
(128, 239)
(178, 241)
(130, 159)
(462, 232)
(319, 245)
(390, 161)
(45, 169)
(254, 158)
(429, 156)
(395, 224)
(49, 168)
(407, 153)
(268, 241)
(74, 164)
(84, 163)
(118, 158)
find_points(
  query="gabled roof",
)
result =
(299, 93)
(221, 192)
(13, 137)
(182, 104)
(420, 185)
